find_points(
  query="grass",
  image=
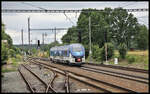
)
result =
(92, 60)
(140, 61)
(8, 70)
(12, 64)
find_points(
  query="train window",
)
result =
(55, 53)
(65, 53)
(51, 53)
(60, 53)
(76, 49)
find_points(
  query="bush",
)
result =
(4, 52)
(11, 53)
(19, 57)
(122, 50)
(110, 52)
(96, 52)
(131, 59)
(86, 51)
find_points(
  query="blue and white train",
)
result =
(71, 54)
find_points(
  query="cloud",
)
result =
(16, 36)
(17, 21)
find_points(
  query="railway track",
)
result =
(107, 66)
(105, 84)
(51, 84)
(139, 75)
(64, 72)
(33, 81)
(117, 67)
(71, 75)
(118, 74)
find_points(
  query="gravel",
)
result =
(12, 82)
(132, 85)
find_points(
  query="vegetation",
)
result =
(122, 50)
(115, 26)
(142, 38)
(6, 44)
(9, 53)
(136, 58)
(4, 53)
(131, 59)
(96, 53)
(110, 52)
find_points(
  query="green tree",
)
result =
(124, 26)
(110, 25)
(5, 36)
(69, 37)
(96, 52)
(122, 50)
(11, 53)
(142, 37)
(34, 51)
(6, 46)
(110, 52)
(4, 52)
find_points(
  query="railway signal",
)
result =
(38, 43)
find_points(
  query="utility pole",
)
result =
(22, 44)
(90, 51)
(106, 47)
(29, 33)
(43, 43)
(43, 37)
(22, 38)
(55, 33)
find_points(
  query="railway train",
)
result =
(73, 54)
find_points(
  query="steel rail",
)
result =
(110, 66)
(50, 84)
(104, 72)
(120, 75)
(63, 73)
(120, 67)
(27, 82)
(35, 75)
(115, 86)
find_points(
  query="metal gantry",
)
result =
(62, 11)
(51, 29)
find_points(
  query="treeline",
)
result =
(7, 48)
(35, 49)
(116, 27)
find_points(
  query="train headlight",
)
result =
(78, 59)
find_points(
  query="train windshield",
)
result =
(77, 49)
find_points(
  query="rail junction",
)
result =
(86, 78)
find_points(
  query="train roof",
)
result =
(65, 47)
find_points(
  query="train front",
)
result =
(77, 54)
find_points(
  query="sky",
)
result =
(15, 22)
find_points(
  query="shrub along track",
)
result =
(108, 83)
